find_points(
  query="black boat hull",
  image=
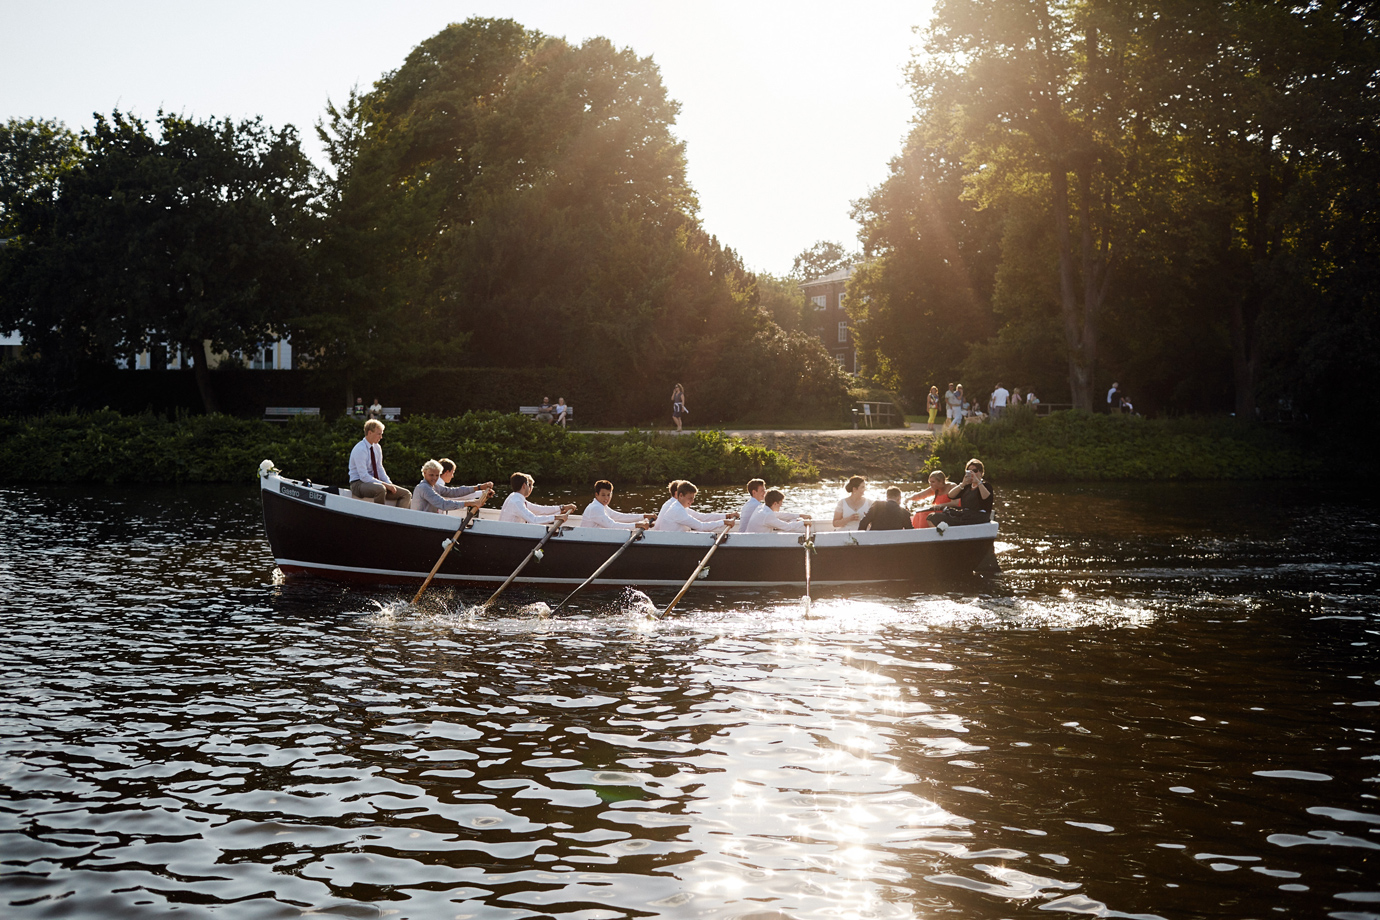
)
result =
(316, 532)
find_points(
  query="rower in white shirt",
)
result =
(771, 519)
(518, 510)
(756, 489)
(677, 517)
(599, 514)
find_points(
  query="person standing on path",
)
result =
(678, 405)
(997, 404)
(1114, 397)
(953, 402)
(932, 403)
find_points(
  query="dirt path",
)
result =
(878, 453)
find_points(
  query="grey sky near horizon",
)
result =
(789, 111)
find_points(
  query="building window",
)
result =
(842, 359)
(843, 331)
(840, 300)
(818, 300)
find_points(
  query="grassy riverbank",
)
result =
(111, 447)
(1079, 446)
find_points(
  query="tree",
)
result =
(191, 238)
(819, 260)
(529, 194)
(1278, 105)
(35, 155)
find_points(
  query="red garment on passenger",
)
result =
(921, 519)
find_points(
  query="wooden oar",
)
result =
(809, 548)
(723, 535)
(550, 532)
(636, 535)
(450, 544)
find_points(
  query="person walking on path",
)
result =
(1114, 397)
(678, 405)
(932, 403)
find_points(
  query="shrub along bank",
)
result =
(114, 447)
(1070, 446)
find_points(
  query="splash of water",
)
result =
(635, 603)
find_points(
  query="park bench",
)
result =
(389, 413)
(533, 410)
(284, 413)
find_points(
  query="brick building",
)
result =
(826, 296)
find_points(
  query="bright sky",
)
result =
(790, 110)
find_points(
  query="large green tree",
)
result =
(187, 237)
(529, 195)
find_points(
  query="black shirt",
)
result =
(887, 515)
(972, 498)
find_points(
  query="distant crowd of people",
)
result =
(943, 503)
(958, 406)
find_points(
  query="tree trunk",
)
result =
(196, 353)
(1245, 352)
(1078, 323)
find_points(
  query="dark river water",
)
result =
(1166, 706)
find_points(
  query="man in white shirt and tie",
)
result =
(368, 479)
(599, 514)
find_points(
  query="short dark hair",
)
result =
(518, 480)
(854, 482)
(673, 485)
(447, 465)
(685, 487)
(601, 485)
(774, 496)
(755, 484)
(893, 494)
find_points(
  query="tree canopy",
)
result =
(527, 196)
(1111, 189)
(188, 237)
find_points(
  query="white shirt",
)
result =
(1110, 393)
(599, 514)
(518, 510)
(677, 518)
(360, 470)
(746, 512)
(999, 397)
(843, 510)
(769, 521)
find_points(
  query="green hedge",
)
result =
(1069, 446)
(113, 447)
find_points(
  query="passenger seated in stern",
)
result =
(598, 513)
(973, 494)
(368, 479)
(518, 510)
(427, 496)
(938, 493)
(677, 517)
(769, 518)
(449, 491)
(887, 515)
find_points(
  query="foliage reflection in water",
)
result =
(1165, 707)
